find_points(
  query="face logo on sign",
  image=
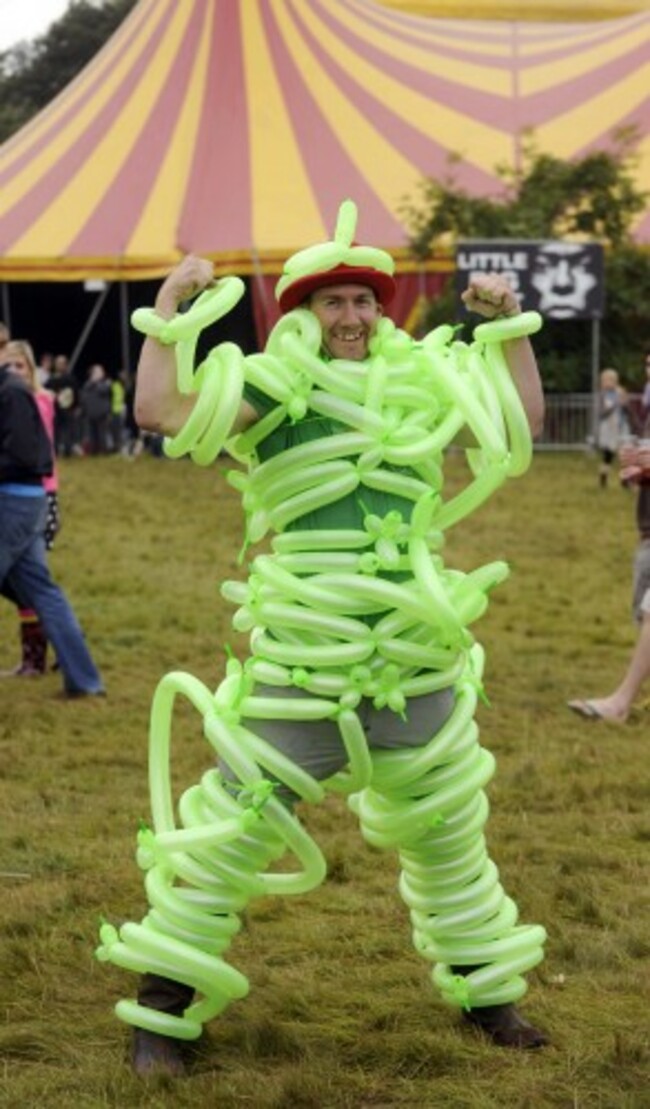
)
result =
(563, 278)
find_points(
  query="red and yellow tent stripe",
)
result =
(234, 128)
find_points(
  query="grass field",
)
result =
(341, 1011)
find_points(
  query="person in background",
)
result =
(25, 460)
(63, 384)
(95, 401)
(20, 358)
(45, 367)
(616, 706)
(118, 412)
(613, 422)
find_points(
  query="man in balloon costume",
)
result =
(363, 673)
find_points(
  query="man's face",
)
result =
(348, 315)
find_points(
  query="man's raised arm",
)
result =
(490, 295)
(159, 407)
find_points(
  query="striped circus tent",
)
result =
(234, 128)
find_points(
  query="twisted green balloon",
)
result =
(341, 250)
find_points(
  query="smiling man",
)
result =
(349, 301)
(348, 316)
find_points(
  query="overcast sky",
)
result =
(27, 19)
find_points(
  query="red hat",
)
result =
(341, 261)
(382, 284)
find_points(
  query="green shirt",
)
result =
(350, 510)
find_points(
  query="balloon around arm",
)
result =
(490, 295)
(159, 406)
(165, 390)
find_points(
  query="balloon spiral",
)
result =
(201, 875)
(430, 807)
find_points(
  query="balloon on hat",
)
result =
(339, 261)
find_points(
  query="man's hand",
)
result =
(490, 295)
(189, 277)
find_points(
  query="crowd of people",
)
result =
(92, 410)
(93, 415)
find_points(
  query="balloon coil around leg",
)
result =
(431, 809)
(201, 875)
(334, 617)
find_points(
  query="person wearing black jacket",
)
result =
(95, 401)
(25, 459)
(63, 384)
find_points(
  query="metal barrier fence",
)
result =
(570, 421)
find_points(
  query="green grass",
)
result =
(341, 1011)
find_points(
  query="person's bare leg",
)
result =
(618, 704)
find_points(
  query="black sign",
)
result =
(560, 280)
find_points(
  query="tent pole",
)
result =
(124, 326)
(90, 323)
(258, 274)
(6, 307)
(595, 378)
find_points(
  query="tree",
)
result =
(31, 74)
(591, 198)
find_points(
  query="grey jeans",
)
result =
(316, 745)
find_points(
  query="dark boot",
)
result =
(156, 1054)
(33, 644)
(153, 1053)
(505, 1026)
